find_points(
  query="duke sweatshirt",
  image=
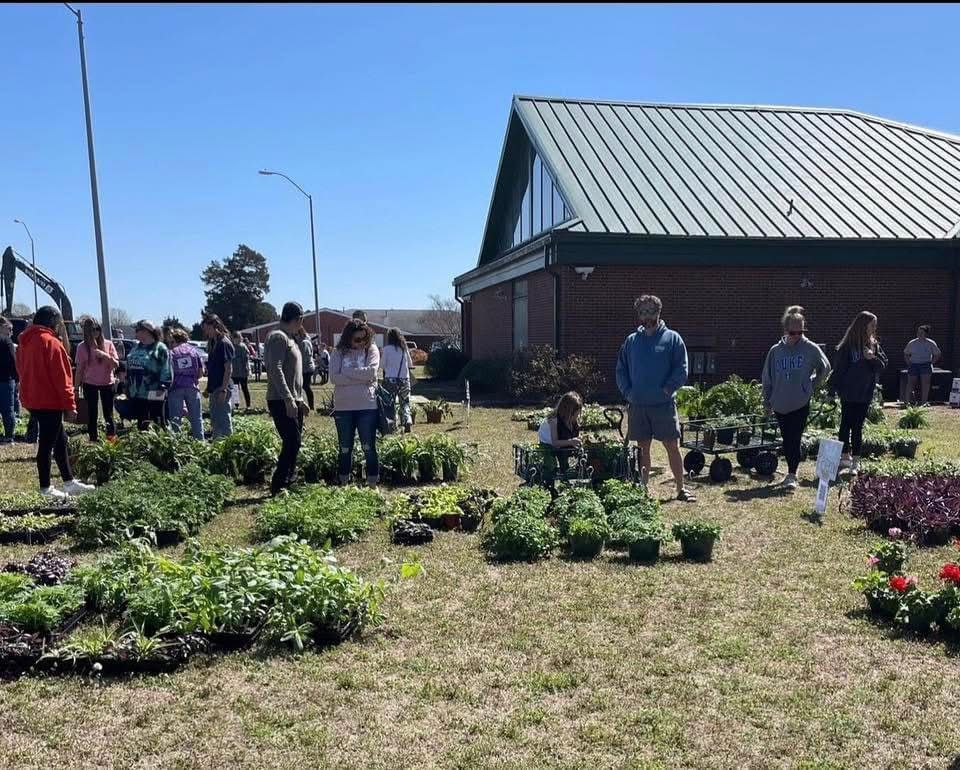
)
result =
(791, 374)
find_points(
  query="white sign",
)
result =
(468, 400)
(822, 490)
(828, 459)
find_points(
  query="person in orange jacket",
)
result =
(46, 389)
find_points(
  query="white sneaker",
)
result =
(789, 482)
(76, 488)
(52, 493)
(854, 467)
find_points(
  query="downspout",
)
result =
(555, 272)
(463, 322)
(955, 285)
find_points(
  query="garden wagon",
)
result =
(754, 439)
(598, 459)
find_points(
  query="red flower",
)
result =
(951, 572)
(902, 584)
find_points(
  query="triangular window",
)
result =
(534, 203)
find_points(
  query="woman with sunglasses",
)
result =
(353, 372)
(794, 369)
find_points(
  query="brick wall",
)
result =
(540, 287)
(733, 311)
(491, 322)
(739, 308)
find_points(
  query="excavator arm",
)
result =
(12, 261)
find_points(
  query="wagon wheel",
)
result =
(765, 463)
(693, 463)
(720, 470)
(747, 457)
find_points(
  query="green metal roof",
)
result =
(745, 171)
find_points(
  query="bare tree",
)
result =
(443, 318)
(21, 309)
(119, 317)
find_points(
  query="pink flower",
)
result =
(894, 532)
(873, 561)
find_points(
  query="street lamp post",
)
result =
(101, 265)
(313, 242)
(33, 262)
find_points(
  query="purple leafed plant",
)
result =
(927, 507)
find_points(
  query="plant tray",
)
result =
(50, 510)
(231, 641)
(32, 536)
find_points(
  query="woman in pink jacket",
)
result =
(353, 372)
(97, 363)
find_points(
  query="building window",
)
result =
(534, 204)
(519, 314)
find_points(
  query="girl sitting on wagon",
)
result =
(560, 430)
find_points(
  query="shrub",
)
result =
(538, 372)
(446, 363)
(729, 399)
(586, 537)
(695, 530)
(248, 455)
(320, 515)
(487, 375)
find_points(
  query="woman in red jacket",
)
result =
(46, 389)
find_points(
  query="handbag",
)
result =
(386, 412)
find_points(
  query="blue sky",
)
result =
(392, 116)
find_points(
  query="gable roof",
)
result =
(745, 171)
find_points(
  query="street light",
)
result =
(101, 266)
(33, 261)
(313, 242)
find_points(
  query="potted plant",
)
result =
(708, 436)
(744, 436)
(697, 538)
(904, 446)
(643, 539)
(725, 429)
(436, 410)
(586, 537)
(889, 556)
(919, 609)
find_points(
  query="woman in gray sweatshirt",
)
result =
(794, 368)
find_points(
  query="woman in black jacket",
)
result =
(856, 369)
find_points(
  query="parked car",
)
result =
(443, 344)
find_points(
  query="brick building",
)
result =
(381, 321)
(728, 214)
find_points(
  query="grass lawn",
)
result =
(761, 659)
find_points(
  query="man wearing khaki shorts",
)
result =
(651, 368)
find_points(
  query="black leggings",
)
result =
(105, 393)
(242, 382)
(307, 382)
(791, 430)
(51, 441)
(852, 418)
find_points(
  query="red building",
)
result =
(728, 214)
(381, 321)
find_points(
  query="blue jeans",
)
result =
(175, 402)
(221, 422)
(364, 422)
(7, 407)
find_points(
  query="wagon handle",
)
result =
(614, 416)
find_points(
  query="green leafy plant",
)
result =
(435, 411)
(586, 536)
(913, 418)
(320, 514)
(875, 588)
(577, 503)
(518, 529)
(889, 556)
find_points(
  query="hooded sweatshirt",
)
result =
(148, 369)
(791, 373)
(354, 377)
(46, 377)
(854, 377)
(648, 365)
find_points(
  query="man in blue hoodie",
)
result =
(651, 368)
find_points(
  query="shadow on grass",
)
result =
(26, 459)
(754, 493)
(241, 501)
(949, 640)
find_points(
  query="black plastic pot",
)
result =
(744, 437)
(167, 537)
(428, 471)
(235, 640)
(697, 549)
(450, 472)
(725, 435)
(470, 523)
(647, 551)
